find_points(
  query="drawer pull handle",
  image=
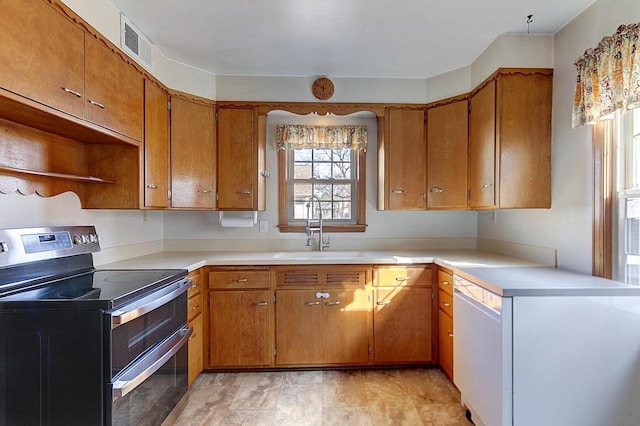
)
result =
(244, 191)
(98, 104)
(316, 303)
(435, 189)
(195, 285)
(450, 334)
(73, 92)
(384, 302)
(487, 185)
(194, 307)
(398, 191)
(403, 278)
(445, 283)
(193, 336)
(446, 304)
(204, 191)
(240, 280)
(337, 302)
(261, 303)
(152, 187)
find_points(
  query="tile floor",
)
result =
(348, 397)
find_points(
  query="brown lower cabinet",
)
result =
(330, 329)
(319, 315)
(195, 320)
(445, 321)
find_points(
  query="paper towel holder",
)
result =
(238, 219)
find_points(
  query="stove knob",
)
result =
(3, 246)
(77, 240)
(93, 238)
(84, 239)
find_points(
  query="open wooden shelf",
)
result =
(76, 178)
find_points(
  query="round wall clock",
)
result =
(322, 88)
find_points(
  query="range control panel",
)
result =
(29, 244)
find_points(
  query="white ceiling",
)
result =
(338, 38)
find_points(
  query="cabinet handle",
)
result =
(337, 302)
(195, 285)
(261, 303)
(444, 282)
(193, 336)
(403, 278)
(450, 334)
(98, 104)
(446, 304)
(397, 191)
(244, 191)
(435, 189)
(487, 185)
(204, 191)
(73, 92)
(194, 307)
(240, 280)
(384, 302)
(152, 187)
(316, 303)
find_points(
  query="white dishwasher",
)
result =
(482, 352)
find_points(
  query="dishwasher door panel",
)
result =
(483, 358)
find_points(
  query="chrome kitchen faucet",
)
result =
(319, 228)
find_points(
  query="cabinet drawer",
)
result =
(402, 276)
(238, 279)
(445, 282)
(445, 302)
(194, 306)
(196, 285)
(335, 276)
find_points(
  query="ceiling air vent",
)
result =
(134, 43)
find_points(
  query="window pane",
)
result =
(322, 155)
(342, 155)
(322, 170)
(302, 171)
(342, 210)
(342, 170)
(299, 210)
(322, 191)
(301, 191)
(302, 155)
(342, 192)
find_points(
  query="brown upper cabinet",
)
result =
(241, 158)
(402, 160)
(43, 55)
(114, 91)
(447, 143)
(193, 155)
(156, 146)
(510, 140)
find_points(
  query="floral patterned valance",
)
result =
(321, 137)
(608, 76)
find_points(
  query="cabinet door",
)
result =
(239, 328)
(156, 146)
(524, 117)
(445, 341)
(482, 147)
(298, 327)
(345, 319)
(43, 55)
(402, 325)
(405, 157)
(192, 155)
(195, 349)
(114, 91)
(447, 143)
(237, 159)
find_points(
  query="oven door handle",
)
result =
(149, 303)
(137, 373)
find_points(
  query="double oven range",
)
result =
(87, 346)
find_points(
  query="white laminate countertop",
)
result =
(503, 275)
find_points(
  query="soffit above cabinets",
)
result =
(356, 38)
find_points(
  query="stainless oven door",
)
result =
(147, 390)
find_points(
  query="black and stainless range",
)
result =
(86, 346)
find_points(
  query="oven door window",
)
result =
(132, 339)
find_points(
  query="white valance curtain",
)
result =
(296, 136)
(608, 76)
